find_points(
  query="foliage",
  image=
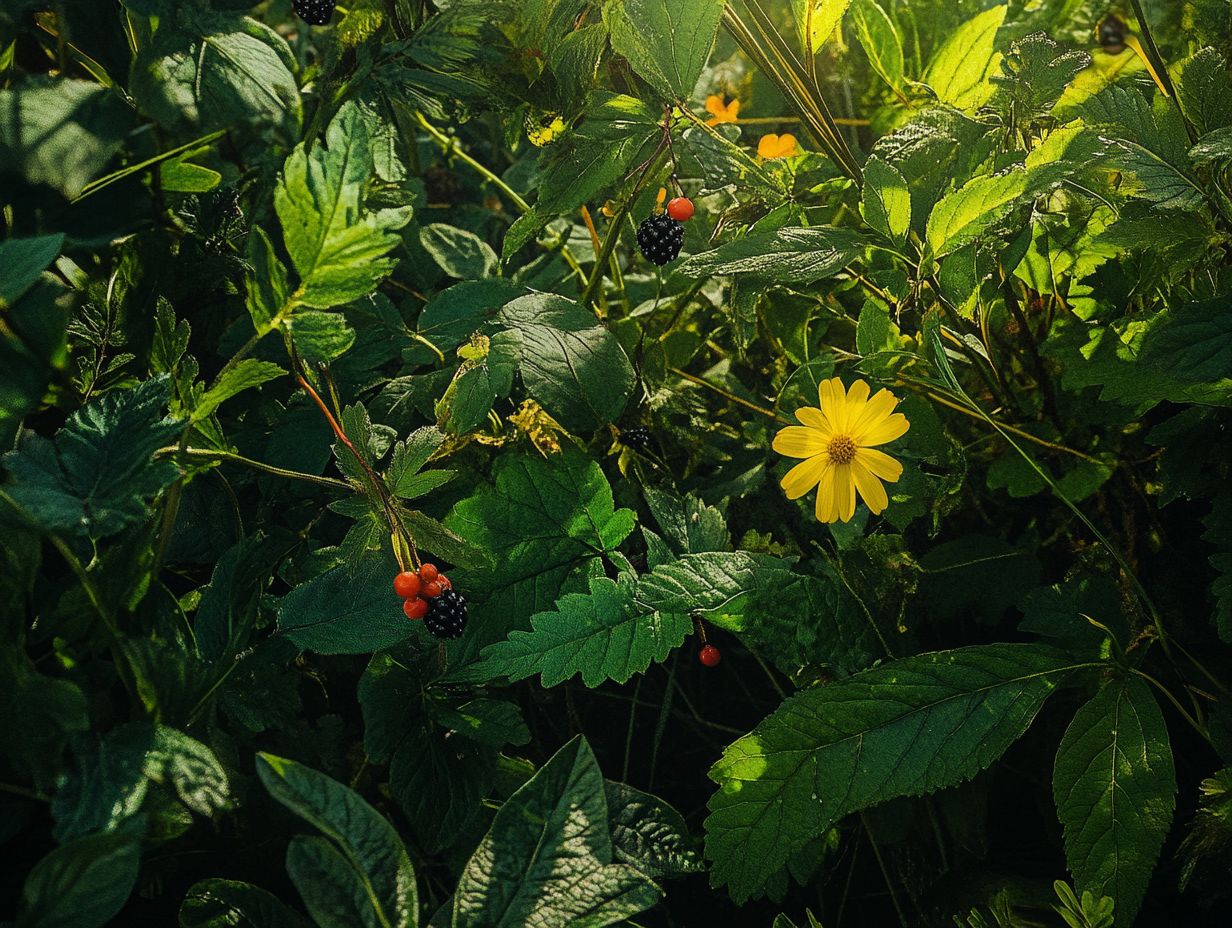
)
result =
(285, 310)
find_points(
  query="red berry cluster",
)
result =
(419, 586)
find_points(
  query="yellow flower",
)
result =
(720, 111)
(838, 443)
(777, 146)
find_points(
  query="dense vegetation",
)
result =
(800, 431)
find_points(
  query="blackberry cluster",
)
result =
(446, 616)
(1112, 35)
(637, 438)
(659, 237)
(314, 12)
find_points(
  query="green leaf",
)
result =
(459, 253)
(362, 875)
(603, 636)
(711, 582)
(61, 132)
(886, 203)
(965, 214)
(542, 520)
(1115, 790)
(209, 69)
(574, 367)
(350, 609)
(406, 476)
(1203, 91)
(232, 904)
(689, 526)
(879, 37)
(82, 884)
(37, 712)
(339, 248)
(96, 476)
(785, 256)
(816, 20)
(24, 260)
(112, 772)
(321, 337)
(649, 834)
(247, 374)
(960, 70)
(908, 727)
(667, 42)
(1034, 74)
(548, 858)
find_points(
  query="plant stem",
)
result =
(209, 454)
(728, 395)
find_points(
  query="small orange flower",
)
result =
(777, 146)
(720, 111)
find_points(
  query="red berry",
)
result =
(415, 608)
(444, 581)
(710, 656)
(428, 572)
(432, 589)
(406, 584)
(680, 209)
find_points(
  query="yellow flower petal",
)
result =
(879, 464)
(880, 406)
(804, 476)
(824, 509)
(870, 488)
(888, 429)
(857, 396)
(776, 146)
(815, 419)
(797, 441)
(833, 400)
(844, 493)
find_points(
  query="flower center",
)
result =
(842, 449)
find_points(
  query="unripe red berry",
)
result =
(710, 656)
(428, 572)
(680, 209)
(432, 589)
(406, 584)
(415, 608)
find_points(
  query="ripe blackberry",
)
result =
(659, 237)
(446, 616)
(314, 12)
(1111, 35)
(637, 438)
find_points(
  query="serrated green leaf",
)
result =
(788, 255)
(689, 526)
(649, 834)
(364, 862)
(602, 636)
(97, 475)
(547, 859)
(710, 582)
(960, 70)
(459, 253)
(1115, 789)
(339, 248)
(574, 367)
(351, 609)
(964, 215)
(1203, 91)
(667, 42)
(880, 39)
(232, 904)
(908, 727)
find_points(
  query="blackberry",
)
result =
(659, 237)
(637, 438)
(1111, 35)
(446, 616)
(314, 12)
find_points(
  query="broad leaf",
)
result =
(603, 636)
(459, 253)
(339, 248)
(964, 215)
(350, 609)
(786, 256)
(816, 21)
(247, 374)
(96, 477)
(24, 260)
(1115, 789)
(548, 859)
(362, 875)
(908, 727)
(649, 834)
(960, 70)
(666, 41)
(232, 904)
(82, 884)
(886, 203)
(573, 366)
